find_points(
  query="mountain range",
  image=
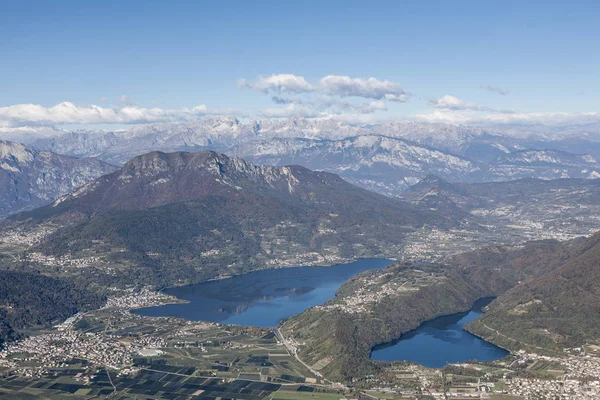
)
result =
(193, 216)
(530, 208)
(30, 178)
(470, 141)
(386, 158)
(165, 219)
(383, 164)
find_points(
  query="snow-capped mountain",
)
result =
(543, 164)
(384, 164)
(451, 138)
(29, 134)
(80, 143)
(223, 132)
(31, 178)
(383, 157)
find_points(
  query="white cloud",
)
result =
(69, 113)
(323, 105)
(445, 116)
(295, 111)
(551, 118)
(333, 85)
(360, 119)
(453, 103)
(512, 118)
(370, 88)
(495, 89)
(452, 110)
(397, 98)
(278, 83)
(333, 95)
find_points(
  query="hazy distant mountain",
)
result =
(390, 165)
(174, 213)
(522, 192)
(80, 143)
(30, 134)
(457, 139)
(222, 133)
(383, 164)
(216, 133)
(31, 178)
(543, 164)
(535, 208)
(385, 157)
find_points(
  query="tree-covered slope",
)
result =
(29, 299)
(191, 216)
(377, 307)
(559, 308)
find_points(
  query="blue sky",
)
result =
(176, 54)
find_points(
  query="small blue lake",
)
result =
(441, 341)
(261, 298)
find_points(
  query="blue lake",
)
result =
(441, 341)
(261, 298)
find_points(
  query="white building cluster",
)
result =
(581, 379)
(62, 261)
(53, 349)
(131, 299)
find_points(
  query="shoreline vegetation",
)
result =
(340, 342)
(297, 350)
(464, 313)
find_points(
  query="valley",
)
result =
(299, 200)
(209, 225)
(112, 351)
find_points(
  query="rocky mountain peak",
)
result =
(32, 178)
(158, 178)
(15, 152)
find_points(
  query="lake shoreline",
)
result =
(228, 299)
(332, 263)
(476, 307)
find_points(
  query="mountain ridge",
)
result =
(553, 309)
(208, 213)
(32, 178)
(383, 157)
